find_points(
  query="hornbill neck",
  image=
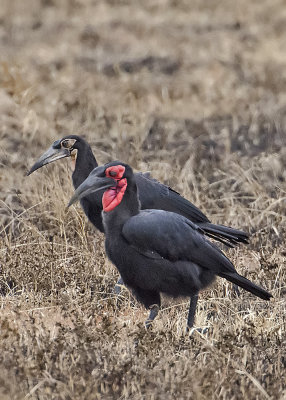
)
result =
(129, 206)
(85, 162)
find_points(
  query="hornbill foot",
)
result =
(235, 290)
(192, 330)
(154, 309)
(117, 287)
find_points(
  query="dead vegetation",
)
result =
(193, 92)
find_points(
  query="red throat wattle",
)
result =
(113, 196)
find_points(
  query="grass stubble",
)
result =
(193, 92)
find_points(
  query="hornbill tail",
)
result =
(246, 284)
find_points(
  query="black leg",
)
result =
(154, 309)
(192, 311)
(151, 300)
(117, 287)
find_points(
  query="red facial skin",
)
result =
(113, 196)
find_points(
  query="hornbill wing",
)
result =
(155, 195)
(161, 234)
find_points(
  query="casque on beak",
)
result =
(92, 184)
(52, 154)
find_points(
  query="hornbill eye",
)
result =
(113, 173)
(66, 144)
(116, 172)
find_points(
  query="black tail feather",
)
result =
(246, 284)
(230, 244)
(225, 234)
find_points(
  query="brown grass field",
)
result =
(195, 93)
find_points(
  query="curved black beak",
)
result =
(93, 183)
(51, 155)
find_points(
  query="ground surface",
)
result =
(194, 92)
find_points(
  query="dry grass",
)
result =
(192, 91)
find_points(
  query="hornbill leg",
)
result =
(192, 311)
(117, 287)
(154, 309)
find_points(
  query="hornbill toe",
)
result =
(201, 331)
(154, 309)
(235, 290)
(117, 287)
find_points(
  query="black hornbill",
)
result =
(156, 251)
(152, 194)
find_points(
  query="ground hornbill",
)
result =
(152, 194)
(156, 251)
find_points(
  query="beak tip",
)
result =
(33, 169)
(71, 202)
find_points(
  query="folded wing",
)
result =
(161, 234)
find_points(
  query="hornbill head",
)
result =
(65, 147)
(112, 178)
